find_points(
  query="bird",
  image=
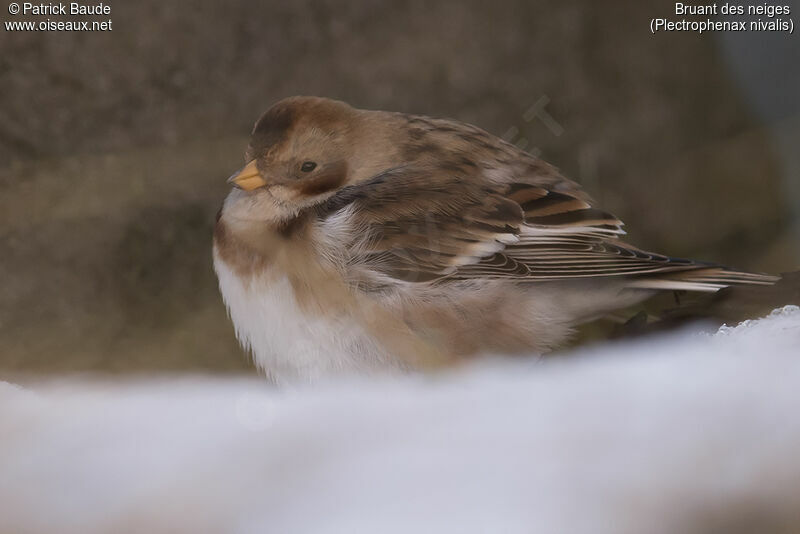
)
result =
(361, 242)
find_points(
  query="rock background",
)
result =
(115, 147)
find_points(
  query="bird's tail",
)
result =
(702, 278)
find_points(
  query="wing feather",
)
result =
(451, 222)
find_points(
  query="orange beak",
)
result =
(247, 178)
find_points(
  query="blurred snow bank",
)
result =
(679, 434)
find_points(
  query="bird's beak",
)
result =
(247, 178)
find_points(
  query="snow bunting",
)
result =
(362, 241)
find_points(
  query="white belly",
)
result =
(290, 345)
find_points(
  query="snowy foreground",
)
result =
(685, 433)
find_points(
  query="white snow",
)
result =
(683, 433)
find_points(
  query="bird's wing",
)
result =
(409, 225)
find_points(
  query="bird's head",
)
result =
(302, 150)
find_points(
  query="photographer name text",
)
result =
(44, 11)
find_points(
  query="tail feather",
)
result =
(716, 295)
(702, 278)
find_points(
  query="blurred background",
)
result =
(115, 146)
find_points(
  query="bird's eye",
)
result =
(308, 166)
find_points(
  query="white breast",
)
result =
(288, 344)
